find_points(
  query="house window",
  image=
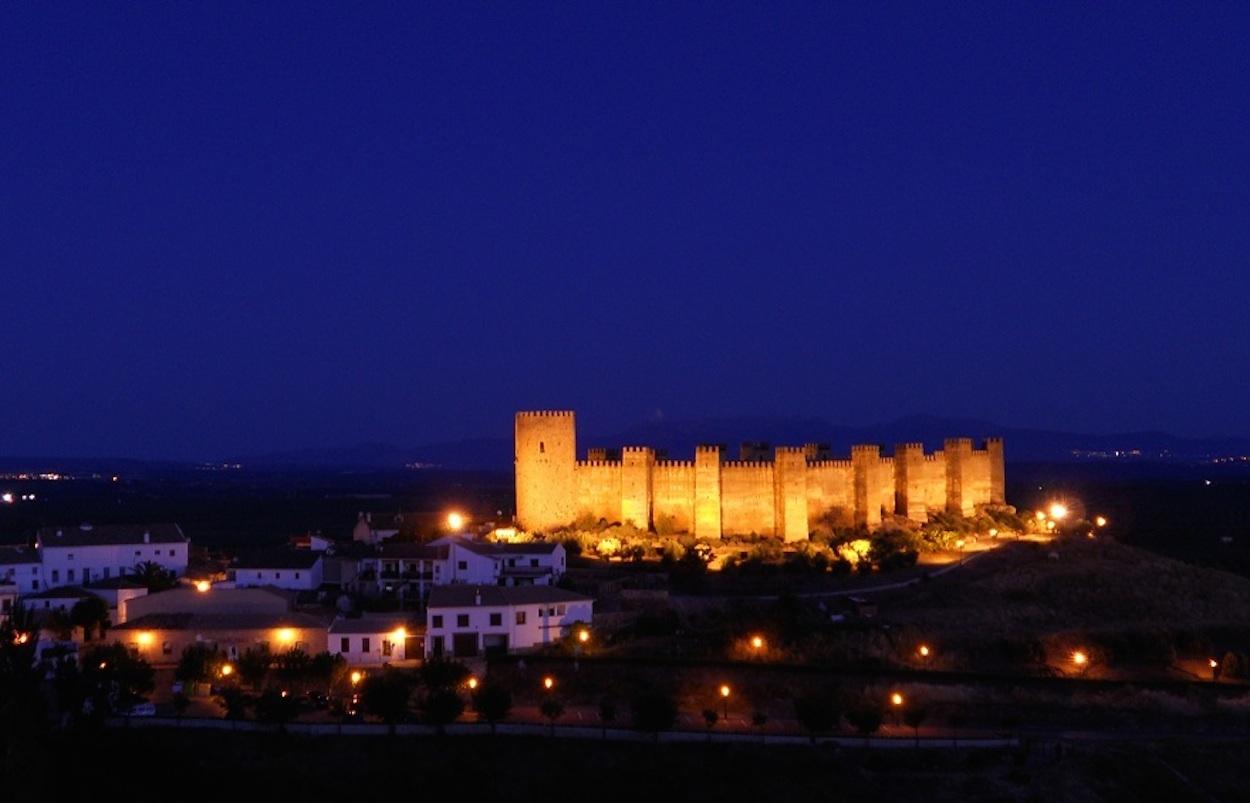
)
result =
(463, 565)
(436, 621)
(542, 448)
(107, 571)
(534, 562)
(56, 575)
(496, 619)
(345, 644)
(520, 617)
(364, 645)
(462, 620)
(297, 575)
(137, 553)
(70, 556)
(34, 584)
(387, 648)
(277, 575)
(258, 575)
(69, 575)
(560, 610)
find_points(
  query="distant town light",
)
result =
(455, 521)
(1050, 525)
(1040, 516)
(7, 498)
(1211, 662)
(1058, 511)
(202, 586)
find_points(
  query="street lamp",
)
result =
(227, 670)
(471, 683)
(757, 643)
(1080, 659)
(583, 635)
(549, 683)
(1058, 511)
(202, 586)
(724, 697)
(455, 521)
(1100, 521)
(923, 651)
(356, 677)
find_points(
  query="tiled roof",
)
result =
(222, 621)
(464, 596)
(61, 592)
(375, 623)
(111, 535)
(279, 559)
(408, 550)
(18, 554)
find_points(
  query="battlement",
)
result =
(886, 461)
(865, 448)
(674, 464)
(933, 458)
(993, 442)
(839, 463)
(545, 414)
(598, 464)
(709, 448)
(958, 443)
(747, 464)
(914, 446)
(791, 450)
(637, 450)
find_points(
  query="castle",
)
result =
(711, 496)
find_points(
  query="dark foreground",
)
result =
(172, 765)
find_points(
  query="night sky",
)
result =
(233, 228)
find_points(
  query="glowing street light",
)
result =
(757, 643)
(202, 586)
(1058, 511)
(896, 700)
(1079, 658)
(1100, 521)
(356, 677)
(227, 670)
(583, 635)
(471, 682)
(1041, 516)
(1050, 525)
(455, 521)
(549, 683)
(145, 639)
(724, 698)
(286, 635)
(923, 651)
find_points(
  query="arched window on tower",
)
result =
(542, 448)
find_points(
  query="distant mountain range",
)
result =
(679, 438)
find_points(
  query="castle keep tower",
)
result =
(546, 454)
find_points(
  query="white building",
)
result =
(292, 569)
(8, 600)
(73, 556)
(21, 566)
(376, 639)
(480, 562)
(465, 621)
(374, 531)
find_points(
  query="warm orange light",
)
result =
(583, 635)
(471, 682)
(757, 642)
(202, 586)
(1079, 658)
(227, 670)
(1213, 663)
(286, 635)
(1101, 521)
(1050, 525)
(549, 682)
(993, 532)
(399, 635)
(455, 521)
(145, 639)
(1058, 511)
(20, 638)
(724, 690)
(924, 651)
(103, 664)
(356, 677)
(896, 699)
(1041, 516)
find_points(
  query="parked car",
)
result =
(142, 709)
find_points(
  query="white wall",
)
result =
(76, 565)
(542, 624)
(357, 655)
(28, 577)
(291, 579)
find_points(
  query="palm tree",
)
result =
(155, 576)
(817, 712)
(90, 613)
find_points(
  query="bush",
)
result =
(654, 711)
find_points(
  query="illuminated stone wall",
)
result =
(783, 497)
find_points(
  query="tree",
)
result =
(328, 670)
(913, 717)
(23, 723)
(253, 666)
(493, 704)
(552, 709)
(443, 707)
(114, 678)
(385, 695)
(181, 703)
(442, 673)
(654, 711)
(607, 714)
(956, 720)
(759, 719)
(91, 614)
(709, 719)
(293, 668)
(155, 576)
(866, 718)
(276, 707)
(234, 701)
(199, 663)
(58, 624)
(817, 712)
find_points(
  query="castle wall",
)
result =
(599, 489)
(782, 496)
(672, 493)
(830, 484)
(747, 499)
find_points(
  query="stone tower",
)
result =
(958, 475)
(546, 458)
(909, 481)
(790, 490)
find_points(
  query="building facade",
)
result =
(711, 496)
(466, 621)
(72, 556)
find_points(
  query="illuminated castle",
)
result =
(777, 494)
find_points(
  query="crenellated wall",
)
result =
(710, 496)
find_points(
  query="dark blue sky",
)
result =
(230, 228)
